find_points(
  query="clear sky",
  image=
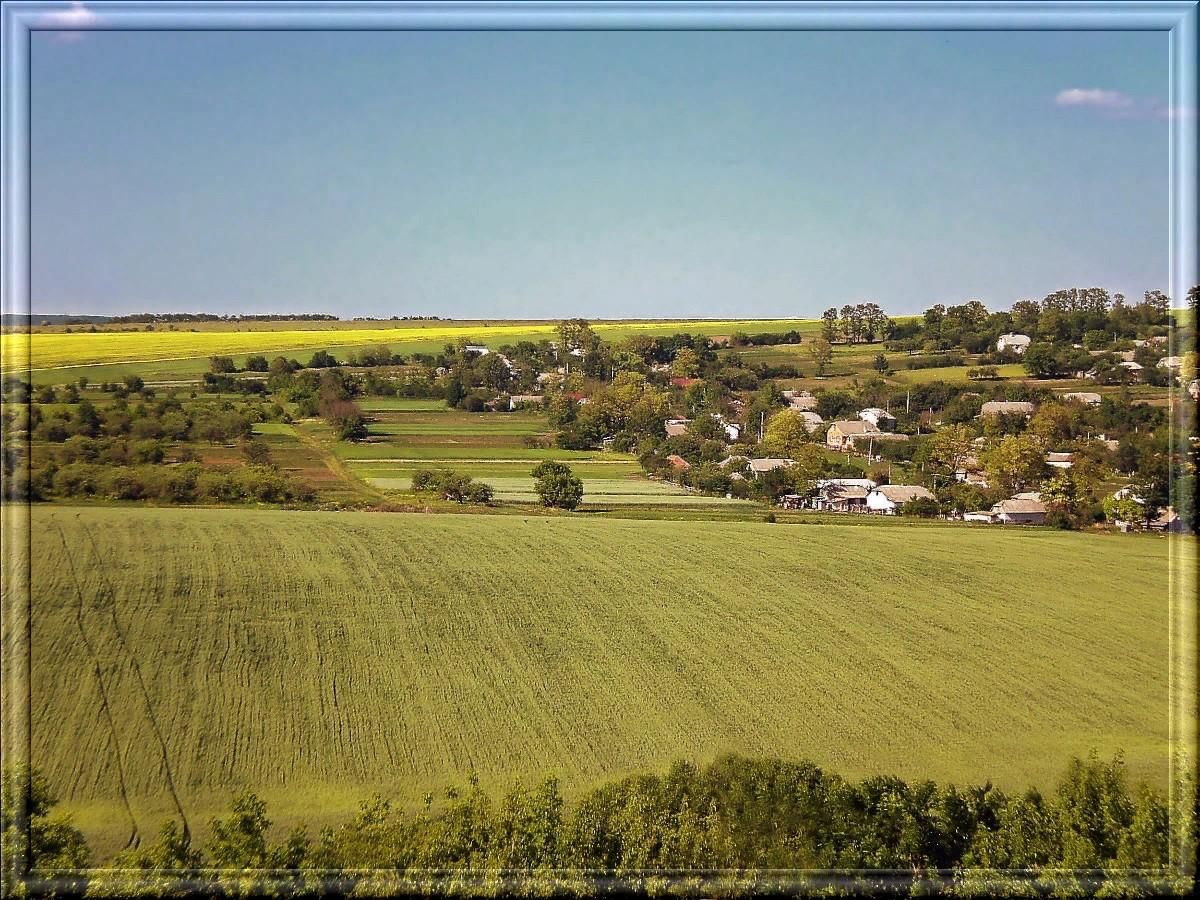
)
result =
(602, 174)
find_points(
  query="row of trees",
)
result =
(738, 818)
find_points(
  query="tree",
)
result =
(1040, 361)
(950, 447)
(1014, 462)
(686, 364)
(557, 485)
(829, 324)
(881, 364)
(257, 363)
(221, 365)
(821, 352)
(786, 433)
(29, 834)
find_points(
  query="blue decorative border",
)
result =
(1181, 18)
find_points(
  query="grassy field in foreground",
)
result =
(318, 657)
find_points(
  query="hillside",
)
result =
(318, 657)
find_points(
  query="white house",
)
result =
(888, 498)
(1060, 460)
(1170, 362)
(1022, 509)
(811, 419)
(1017, 343)
(880, 418)
(518, 400)
(477, 349)
(1087, 398)
(1020, 512)
(1194, 389)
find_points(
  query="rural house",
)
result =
(887, 499)
(477, 349)
(1017, 511)
(678, 462)
(839, 435)
(1017, 343)
(1085, 397)
(769, 464)
(880, 418)
(1022, 509)
(517, 401)
(842, 494)
(800, 400)
(676, 427)
(1007, 408)
(1060, 460)
(811, 419)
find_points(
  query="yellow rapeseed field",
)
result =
(45, 349)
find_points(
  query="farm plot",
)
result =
(182, 654)
(492, 447)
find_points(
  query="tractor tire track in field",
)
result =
(137, 671)
(135, 837)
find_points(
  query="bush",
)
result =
(556, 485)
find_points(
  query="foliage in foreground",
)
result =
(730, 828)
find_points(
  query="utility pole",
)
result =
(762, 418)
(908, 401)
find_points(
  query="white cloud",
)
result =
(1097, 97)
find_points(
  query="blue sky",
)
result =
(602, 174)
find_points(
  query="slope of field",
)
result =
(45, 349)
(182, 654)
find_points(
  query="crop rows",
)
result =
(317, 655)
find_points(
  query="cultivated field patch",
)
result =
(317, 657)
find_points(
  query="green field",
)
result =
(317, 657)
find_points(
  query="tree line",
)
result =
(723, 828)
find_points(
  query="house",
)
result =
(811, 419)
(1170, 362)
(887, 499)
(839, 433)
(577, 397)
(678, 462)
(1085, 397)
(769, 464)
(800, 400)
(1060, 460)
(676, 427)
(737, 461)
(842, 494)
(1193, 389)
(733, 431)
(1134, 369)
(986, 516)
(1007, 408)
(1019, 511)
(684, 383)
(477, 349)
(1017, 343)
(1168, 520)
(880, 418)
(519, 400)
